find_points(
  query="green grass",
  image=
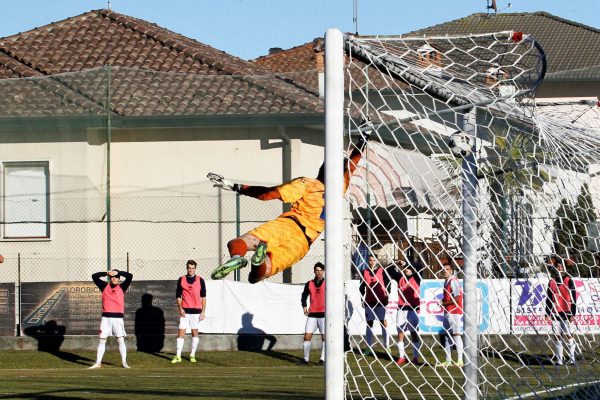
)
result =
(268, 375)
(216, 375)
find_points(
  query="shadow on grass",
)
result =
(50, 337)
(254, 340)
(162, 394)
(162, 355)
(519, 358)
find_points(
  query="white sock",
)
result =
(306, 347)
(122, 350)
(179, 346)
(401, 352)
(448, 349)
(572, 347)
(323, 351)
(559, 351)
(386, 340)
(195, 341)
(459, 347)
(100, 352)
(416, 348)
(369, 336)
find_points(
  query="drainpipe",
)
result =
(286, 175)
(108, 141)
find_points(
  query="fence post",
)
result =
(18, 295)
(236, 275)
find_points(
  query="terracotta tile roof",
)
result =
(300, 65)
(299, 58)
(217, 82)
(569, 46)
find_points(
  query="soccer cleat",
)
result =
(416, 361)
(95, 366)
(192, 359)
(125, 365)
(176, 359)
(444, 364)
(259, 254)
(230, 266)
(401, 361)
(321, 362)
(303, 362)
(367, 352)
(459, 363)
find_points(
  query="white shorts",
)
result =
(190, 321)
(561, 326)
(312, 324)
(453, 324)
(110, 326)
(375, 313)
(407, 321)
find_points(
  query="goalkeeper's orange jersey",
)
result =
(307, 196)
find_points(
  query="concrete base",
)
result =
(215, 342)
(210, 342)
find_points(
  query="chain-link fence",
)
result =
(106, 168)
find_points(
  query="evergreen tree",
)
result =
(571, 231)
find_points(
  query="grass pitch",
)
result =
(216, 375)
(274, 375)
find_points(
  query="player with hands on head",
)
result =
(409, 301)
(315, 289)
(374, 289)
(561, 308)
(113, 311)
(191, 302)
(282, 242)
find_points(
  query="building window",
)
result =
(26, 200)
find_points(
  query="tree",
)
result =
(571, 231)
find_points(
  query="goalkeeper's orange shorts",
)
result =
(286, 242)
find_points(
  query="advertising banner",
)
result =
(493, 297)
(76, 307)
(529, 303)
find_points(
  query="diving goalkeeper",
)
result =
(282, 242)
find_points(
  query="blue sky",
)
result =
(248, 28)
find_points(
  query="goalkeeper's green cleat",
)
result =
(192, 359)
(176, 359)
(259, 254)
(459, 364)
(230, 266)
(444, 364)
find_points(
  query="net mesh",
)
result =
(453, 120)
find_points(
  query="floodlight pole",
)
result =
(469, 248)
(334, 221)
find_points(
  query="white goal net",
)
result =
(474, 223)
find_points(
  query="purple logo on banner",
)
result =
(529, 291)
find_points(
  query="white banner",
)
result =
(273, 308)
(265, 307)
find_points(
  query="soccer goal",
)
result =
(470, 227)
